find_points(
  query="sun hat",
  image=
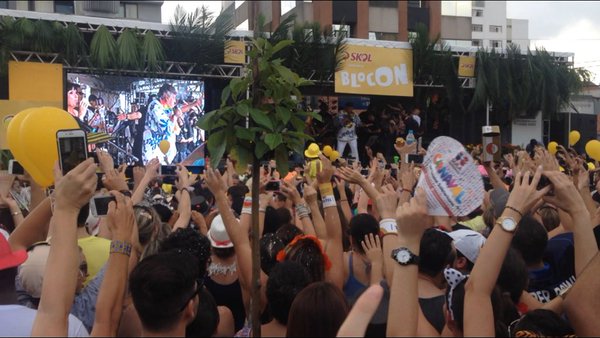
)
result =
(9, 258)
(218, 234)
(31, 272)
(313, 151)
(468, 243)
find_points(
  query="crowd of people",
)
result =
(348, 251)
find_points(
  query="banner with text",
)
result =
(235, 52)
(466, 66)
(371, 70)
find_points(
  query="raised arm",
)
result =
(478, 313)
(150, 174)
(301, 208)
(184, 181)
(310, 196)
(109, 305)
(58, 289)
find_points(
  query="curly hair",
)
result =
(191, 241)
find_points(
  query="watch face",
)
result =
(509, 224)
(403, 256)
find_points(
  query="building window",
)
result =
(477, 28)
(508, 42)
(478, 12)
(31, 5)
(476, 43)
(388, 4)
(478, 3)
(495, 29)
(287, 6)
(4, 4)
(64, 7)
(383, 36)
(496, 43)
(131, 11)
(341, 29)
(413, 3)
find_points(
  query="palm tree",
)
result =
(103, 48)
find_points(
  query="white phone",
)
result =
(72, 148)
(15, 168)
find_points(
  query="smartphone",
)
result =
(129, 171)
(416, 159)
(273, 186)
(388, 166)
(169, 179)
(15, 168)
(544, 181)
(394, 172)
(167, 170)
(195, 169)
(364, 172)
(99, 205)
(72, 148)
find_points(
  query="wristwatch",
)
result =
(507, 224)
(404, 256)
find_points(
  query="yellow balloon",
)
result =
(574, 136)
(552, 147)
(592, 148)
(164, 146)
(334, 155)
(38, 150)
(591, 166)
(327, 151)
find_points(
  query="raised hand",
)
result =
(310, 194)
(120, 217)
(387, 202)
(412, 217)
(105, 161)
(152, 169)
(198, 219)
(351, 175)
(565, 196)
(113, 180)
(525, 194)
(75, 189)
(214, 181)
(325, 171)
(291, 192)
(372, 247)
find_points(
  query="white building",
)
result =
(482, 24)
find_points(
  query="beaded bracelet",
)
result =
(120, 247)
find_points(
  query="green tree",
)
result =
(268, 123)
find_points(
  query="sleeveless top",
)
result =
(229, 295)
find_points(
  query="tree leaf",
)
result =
(273, 140)
(281, 158)
(261, 149)
(205, 121)
(284, 114)
(216, 146)
(261, 118)
(244, 133)
(281, 45)
(243, 109)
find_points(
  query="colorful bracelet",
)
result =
(326, 189)
(247, 206)
(120, 247)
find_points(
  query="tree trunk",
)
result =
(255, 241)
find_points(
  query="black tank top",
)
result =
(229, 295)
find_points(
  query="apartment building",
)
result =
(482, 24)
(375, 20)
(147, 11)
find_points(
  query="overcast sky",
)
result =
(561, 26)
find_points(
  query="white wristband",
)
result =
(328, 201)
(388, 225)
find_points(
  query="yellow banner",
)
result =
(235, 52)
(376, 71)
(34, 81)
(466, 66)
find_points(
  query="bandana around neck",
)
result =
(453, 277)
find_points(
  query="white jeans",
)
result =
(341, 146)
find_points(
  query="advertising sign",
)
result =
(372, 70)
(466, 66)
(235, 52)
(450, 178)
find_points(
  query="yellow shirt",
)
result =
(96, 251)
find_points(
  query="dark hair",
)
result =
(435, 252)
(237, 194)
(457, 304)
(550, 218)
(192, 242)
(83, 214)
(270, 245)
(287, 232)
(207, 319)
(276, 218)
(166, 88)
(92, 98)
(71, 85)
(318, 311)
(543, 323)
(530, 240)
(160, 285)
(514, 276)
(361, 225)
(163, 211)
(308, 253)
(223, 252)
(286, 280)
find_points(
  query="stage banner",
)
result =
(466, 66)
(371, 70)
(34, 81)
(235, 52)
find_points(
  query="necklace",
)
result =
(221, 269)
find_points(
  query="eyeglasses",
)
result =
(512, 325)
(199, 285)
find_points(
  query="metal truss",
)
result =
(168, 68)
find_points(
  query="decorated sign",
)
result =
(375, 71)
(466, 66)
(451, 179)
(235, 52)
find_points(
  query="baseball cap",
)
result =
(218, 234)
(468, 243)
(31, 272)
(498, 198)
(9, 258)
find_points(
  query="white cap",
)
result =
(218, 234)
(468, 242)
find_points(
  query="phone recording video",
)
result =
(414, 158)
(99, 205)
(273, 186)
(15, 168)
(167, 170)
(72, 148)
(394, 172)
(364, 172)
